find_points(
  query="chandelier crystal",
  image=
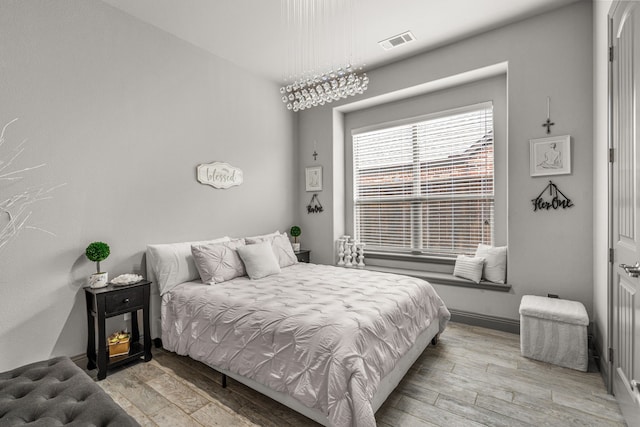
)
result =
(325, 88)
(307, 22)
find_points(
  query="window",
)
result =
(426, 187)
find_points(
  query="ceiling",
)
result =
(251, 33)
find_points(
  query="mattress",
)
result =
(321, 334)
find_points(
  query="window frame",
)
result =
(492, 88)
(418, 201)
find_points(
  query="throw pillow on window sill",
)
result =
(495, 265)
(469, 268)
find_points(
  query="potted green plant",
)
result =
(295, 233)
(96, 252)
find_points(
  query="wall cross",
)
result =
(548, 125)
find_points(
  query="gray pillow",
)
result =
(218, 262)
(259, 260)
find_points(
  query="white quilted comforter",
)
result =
(324, 335)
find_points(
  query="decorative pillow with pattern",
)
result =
(469, 268)
(218, 262)
(173, 263)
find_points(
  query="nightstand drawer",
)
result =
(123, 301)
(303, 255)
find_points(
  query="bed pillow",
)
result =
(280, 245)
(495, 262)
(469, 268)
(218, 262)
(282, 249)
(173, 263)
(257, 239)
(259, 260)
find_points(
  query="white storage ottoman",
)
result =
(555, 331)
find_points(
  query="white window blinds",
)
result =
(426, 187)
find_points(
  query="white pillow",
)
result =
(257, 239)
(281, 247)
(173, 263)
(469, 268)
(495, 262)
(218, 262)
(259, 260)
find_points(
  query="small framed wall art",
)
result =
(550, 156)
(313, 178)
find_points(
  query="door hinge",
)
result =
(611, 355)
(611, 255)
(611, 155)
(610, 53)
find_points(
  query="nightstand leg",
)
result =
(102, 342)
(102, 350)
(135, 332)
(146, 326)
(91, 336)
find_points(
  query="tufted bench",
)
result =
(555, 331)
(56, 392)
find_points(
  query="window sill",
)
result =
(443, 278)
(431, 259)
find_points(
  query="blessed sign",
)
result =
(219, 175)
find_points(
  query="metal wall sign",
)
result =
(551, 198)
(314, 205)
(219, 175)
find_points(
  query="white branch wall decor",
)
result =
(15, 211)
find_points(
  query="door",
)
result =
(625, 78)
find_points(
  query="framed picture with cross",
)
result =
(550, 156)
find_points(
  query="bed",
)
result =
(328, 342)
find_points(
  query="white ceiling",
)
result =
(250, 33)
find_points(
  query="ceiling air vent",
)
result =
(395, 41)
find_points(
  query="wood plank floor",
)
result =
(473, 377)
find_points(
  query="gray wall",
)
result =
(122, 113)
(548, 55)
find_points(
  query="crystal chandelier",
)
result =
(325, 88)
(309, 21)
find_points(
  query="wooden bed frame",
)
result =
(387, 384)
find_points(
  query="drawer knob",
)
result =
(126, 300)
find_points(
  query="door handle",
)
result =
(635, 384)
(631, 270)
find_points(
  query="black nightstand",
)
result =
(113, 301)
(303, 255)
